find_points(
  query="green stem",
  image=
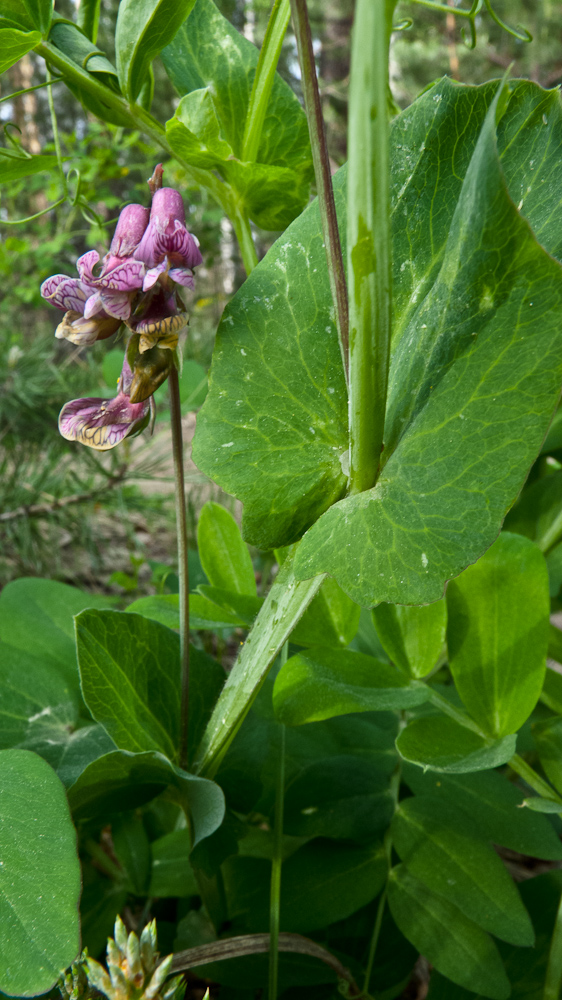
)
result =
(553, 980)
(286, 602)
(54, 126)
(146, 123)
(395, 791)
(183, 561)
(323, 175)
(30, 218)
(263, 80)
(368, 239)
(277, 860)
(516, 763)
(446, 9)
(27, 90)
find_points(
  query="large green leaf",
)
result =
(495, 804)
(449, 940)
(325, 682)
(172, 874)
(143, 28)
(497, 633)
(39, 876)
(14, 44)
(476, 358)
(213, 66)
(224, 555)
(40, 13)
(130, 673)
(442, 847)
(441, 744)
(121, 780)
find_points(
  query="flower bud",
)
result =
(129, 231)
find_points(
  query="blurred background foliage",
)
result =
(92, 519)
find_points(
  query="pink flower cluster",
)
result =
(151, 254)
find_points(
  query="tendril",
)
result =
(403, 24)
(520, 33)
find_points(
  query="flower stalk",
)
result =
(183, 561)
(323, 175)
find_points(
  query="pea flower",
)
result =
(103, 423)
(94, 305)
(167, 248)
(135, 283)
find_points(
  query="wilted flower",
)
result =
(104, 423)
(167, 247)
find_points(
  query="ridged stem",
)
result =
(183, 561)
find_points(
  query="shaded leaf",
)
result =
(441, 846)
(412, 636)
(132, 849)
(449, 940)
(122, 780)
(12, 167)
(494, 803)
(441, 744)
(497, 633)
(325, 682)
(40, 881)
(172, 874)
(548, 740)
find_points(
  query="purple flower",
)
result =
(167, 247)
(160, 323)
(72, 294)
(103, 423)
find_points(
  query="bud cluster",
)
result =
(133, 971)
(152, 255)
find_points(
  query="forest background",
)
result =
(106, 522)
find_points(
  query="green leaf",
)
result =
(272, 434)
(548, 740)
(412, 636)
(494, 804)
(40, 876)
(331, 619)
(12, 167)
(89, 17)
(36, 617)
(78, 47)
(143, 28)
(206, 52)
(132, 849)
(441, 744)
(325, 682)
(121, 780)
(449, 940)
(497, 633)
(342, 798)
(224, 555)
(172, 874)
(536, 512)
(194, 131)
(16, 12)
(13, 45)
(442, 847)
(203, 614)
(322, 882)
(130, 673)
(536, 804)
(40, 13)
(193, 386)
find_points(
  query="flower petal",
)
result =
(123, 274)
(182, 276)
(131, 225)
(85, 265)
(64, 292)
(84, 332)
(102, 423)
(117, 304)
(163, 332)
(152, 276)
